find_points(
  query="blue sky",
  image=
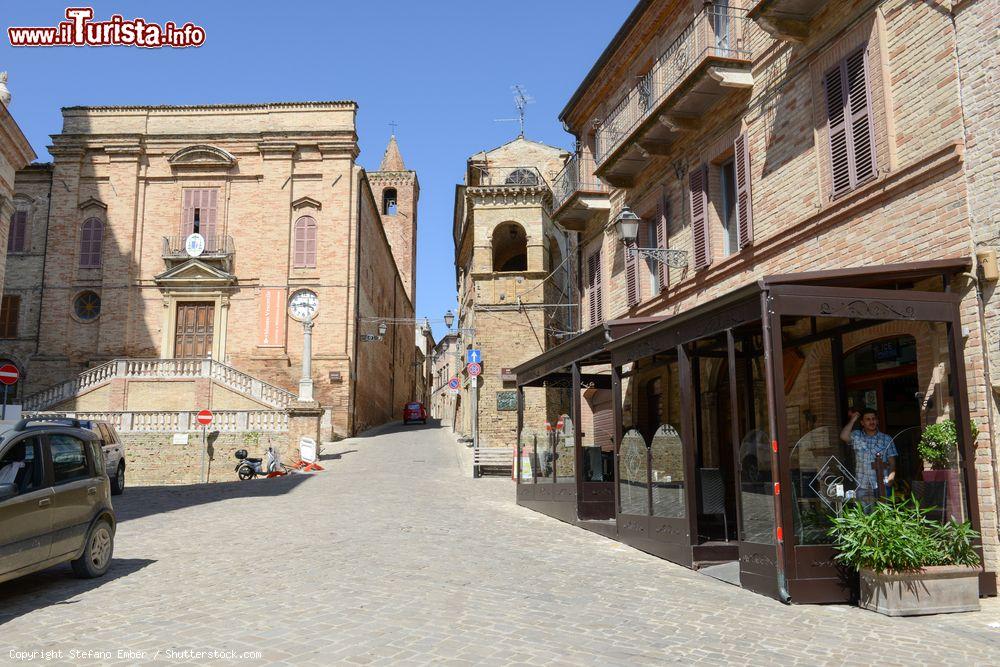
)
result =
(441, 69)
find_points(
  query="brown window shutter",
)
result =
(187, 213)
(91, 243)
(744, 212)
(304, 242)
(699, 217)
(209, 204)
(10, 308)
(662, 238)
(632, 275)
(860, 109)
(592, 262)
(850, 126)
(16, 239)
(599, 289)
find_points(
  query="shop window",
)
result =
(510, 248)
(305, 243)
(17, 239)
(91, 243)
(10, 312)
(390, 201)
(633, 469)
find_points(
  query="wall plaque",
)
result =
(506, 401)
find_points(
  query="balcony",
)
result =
(787, 20)
(486, 175)
(709, 59)
(577, 194)
(217, 247)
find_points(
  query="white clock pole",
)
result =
(306, 383)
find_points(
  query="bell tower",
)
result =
(396, 192)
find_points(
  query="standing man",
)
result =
(868, 443)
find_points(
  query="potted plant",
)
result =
(909, 565)
(937, 447)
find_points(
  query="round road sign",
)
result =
(205, 417)
(474, 369)
(454, 383)
(9, 374)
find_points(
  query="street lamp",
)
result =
(627, 226)
(449, 319)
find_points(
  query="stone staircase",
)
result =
(160, 369)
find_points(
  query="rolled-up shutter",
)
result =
(744, 212)
(698, 182)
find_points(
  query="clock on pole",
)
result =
(303, 306)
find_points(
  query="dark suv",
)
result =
(55, 499)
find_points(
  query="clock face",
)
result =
(303, 305)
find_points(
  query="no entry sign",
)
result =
(205, 417)
(9, 374)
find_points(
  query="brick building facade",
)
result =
(276, 195)
(755, 139)
(510, 262)
(15, 153)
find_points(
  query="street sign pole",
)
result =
(3, 415)
(204, 453)
(8, 375)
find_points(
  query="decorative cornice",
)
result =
(202, 155)
(92, 202)
(306, 202)
(507, 195)
(341, 104)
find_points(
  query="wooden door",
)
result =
(195, 330)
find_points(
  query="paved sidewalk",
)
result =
(395, 555)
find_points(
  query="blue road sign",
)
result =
(474, 357)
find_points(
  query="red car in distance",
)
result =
(414, 412)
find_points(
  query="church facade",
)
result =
(106, 268)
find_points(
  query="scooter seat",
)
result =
(253, 460)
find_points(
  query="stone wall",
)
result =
(153, 459)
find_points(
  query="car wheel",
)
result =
(96, 558)
(118, 481)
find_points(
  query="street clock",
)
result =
(303, 304)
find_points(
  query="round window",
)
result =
(87, 306)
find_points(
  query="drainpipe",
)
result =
(45, 256)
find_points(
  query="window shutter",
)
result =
(699, 217)
(744, 212)
(209, 201)
(849, 121)
(592, 288)
(662, 238)
(304, 242)
(187, 214)
(10, 307)
(91, 243)
(599, 289)
(860, 109)
(16, 239)
(632, 275)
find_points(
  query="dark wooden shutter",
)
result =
(10, 308)
(632, 274)
(699, 217)
(595, 295)
(662, 238)
(860, 112)
(744, 212)
(849, 123)
(91, 243)
(16, 239)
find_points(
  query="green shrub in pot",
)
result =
(895, 535)
(939, 441)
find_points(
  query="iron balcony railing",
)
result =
(576, 176)
(217, 245)
(491, 175)
(716, 32)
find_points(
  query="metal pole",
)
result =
(3, 415)
(306, 383)
(204, 452)
(475, 401)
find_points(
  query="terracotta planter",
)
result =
(940, 589)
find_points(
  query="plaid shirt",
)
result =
(866, 448)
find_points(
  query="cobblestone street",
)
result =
(395, 555)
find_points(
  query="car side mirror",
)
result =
(7, 491)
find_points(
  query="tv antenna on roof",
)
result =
(521, 100)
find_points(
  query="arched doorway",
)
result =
(510, 248)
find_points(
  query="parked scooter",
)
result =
(249, 468)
